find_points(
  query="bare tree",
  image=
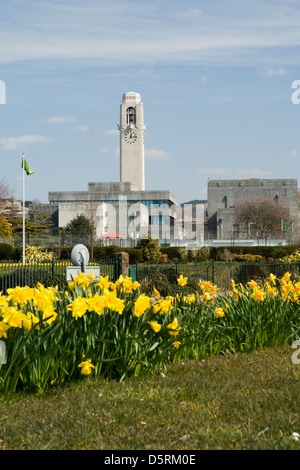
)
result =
(93, 218)
(261, 215)
(5, 193)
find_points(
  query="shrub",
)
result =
(36, 253)
(249, 258)
(150, 249)
(163, 259)
(6, 251)
(204, 252)
(174, 253)
(225, 255)
(274, 252)
(292, 258)
(66, 252)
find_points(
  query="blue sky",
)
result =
(215, 78)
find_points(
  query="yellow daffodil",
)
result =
(29, 320)
(207, 286)
(49, 314)
(252, 284)
(103, 283)
(78, 307)
(42, 299)
(141, 304)
(287, 289)
(96, 304)
(12, 317)
(155, 326)
(3, 329)
(174, 327)
(258, 294)
(272, 278)
(3, 301)
(182, 281)
(296, 287)
(20, 295)
(86, 367)
(113, 303)
(156, 293)
(135, 285)
(272, 292)
(190, 299)
(286, 277)
(219, 312)
(162, 306)
(207, 297)
(176, 344)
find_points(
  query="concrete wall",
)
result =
(223, 195)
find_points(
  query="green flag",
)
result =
(26, 168)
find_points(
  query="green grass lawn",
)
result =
(238, 402)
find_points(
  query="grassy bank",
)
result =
(244, 401)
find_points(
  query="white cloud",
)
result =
(18, 142)
(81, 129)
(99, 30)
(114, 152)
(148, 72)
(294, 153)
(272, 71)
(192, 13)
(60, 119)
(214, 171)
(253, 173)
(156, 154)
(112, 132)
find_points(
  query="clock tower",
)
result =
(132, 141)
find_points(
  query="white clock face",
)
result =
(130, 137)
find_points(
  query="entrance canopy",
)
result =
(111, 235)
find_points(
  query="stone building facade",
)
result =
(118, 208)
(222, 196)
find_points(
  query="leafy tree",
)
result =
(150, 248)
(80, 225)
(5, 228)
(41, 221)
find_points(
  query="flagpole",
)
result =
(23, 169)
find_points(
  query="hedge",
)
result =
(266, 252)
(174, 253)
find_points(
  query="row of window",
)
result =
(151, 204)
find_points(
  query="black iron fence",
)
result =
(49, 273)
(219, 273)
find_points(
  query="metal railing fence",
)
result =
(219, 273)
(49, 273)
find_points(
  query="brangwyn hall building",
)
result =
(117, 207)
(124, 207)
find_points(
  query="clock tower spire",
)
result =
(132, 141)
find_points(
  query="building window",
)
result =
(130, 116)
(236, 231)
(252, 230)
